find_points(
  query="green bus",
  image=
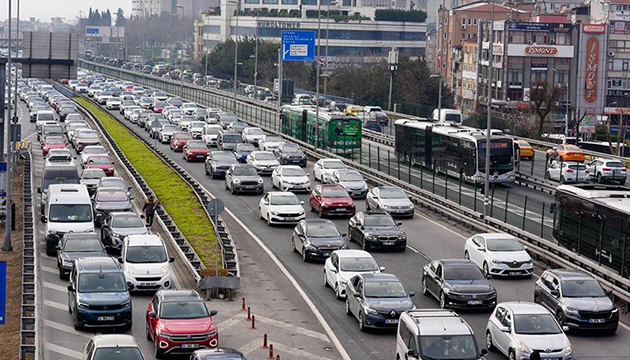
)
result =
(339, 133)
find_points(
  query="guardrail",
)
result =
(543, 249)
(29, 315)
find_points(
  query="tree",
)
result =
(542, 97)
(418, 16)
(120, 17)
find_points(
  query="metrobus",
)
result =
(339, 133)
(593, 220)
(455, 150)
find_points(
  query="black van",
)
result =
(58, 174)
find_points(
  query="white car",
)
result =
(270, 142)
(159, 96)
(565, 172)
(185, 122)
(343, 264)
(165, 133)
(602, 170)
(352, 180)
(168, 109)
(290, 178)
(102, 97)
(265, 162)
(212, 115)
(519, 328)
(91, 150)
(323, 169)
(196, 128)
(281, 207)
(113, 103)
(189, 108)
(81, 88)
(129, 110)
(146, 263)
(252, 135)
(210, 133)
(498, 254)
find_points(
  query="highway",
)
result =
(429, 238)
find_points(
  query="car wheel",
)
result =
(350, 238)
(157, 353)
(364, 245)
(326, 280)
(512, 355)
(486, 271)
(293, 246)
(466, 255)
(206, 168)
(269, 220)
(599, 178)
(75, 322)
(311, 205)
(146, 331)
(560, 317)
(348, 311)
(304, 256)
(547, 176)
(442, 300)
(536, 299)
(489, 343)
(321, 214)
(337, 292)
(361, 322)
(62, 275)
(127, 327)
(425, 290)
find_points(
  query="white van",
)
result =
(146, 262)
(210, 133)
(68, 208)
(447, 116)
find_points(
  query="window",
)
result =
(563, 39)
(624, 66)
(517, 37)
(463, 21)
(515, 77)
(538, 76)
(475, 22)
(516, 60)
(561, 76)
(270, 1)
(539, 62)
(562, 61)
(444, 34)
(538, 38)
(469, 21)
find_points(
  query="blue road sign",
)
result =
(3, 291)
(298, 45)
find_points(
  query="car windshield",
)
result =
(232, 138)
(170, 128)
(182, 136)
(183, 310)
(82, 245)
(111, 195)
(350, 176)
(93, 174)
(582, 288)
(146, 254)
(334, 164)
(159, 104)
(334, 193)
(255, 131)
(460, 347)
(245, 147)
(358, 264)
(462, 272)
(112, 99)
(224, 158)
(536, 324)
(573, 148)
(291, 148)
(101, 282)
(69, 213)
(228, 118)
(94, 151)
(384, 289)
(293, 172)
(392, 194)
(55, 141)
(197, 145)
(379, 220)
(127, 222)
(88, 135)
(284, 200)
(45, 116)
(159, 94)
(112, 182)
(118, 353)
(577, 167)
(197, 124)
(245, 171)
(273, 138)
(503, 245)
(264, 156)
(98, 160)
(213, 130)
(322, 230)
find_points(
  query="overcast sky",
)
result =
(69, 9)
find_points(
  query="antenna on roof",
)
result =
(517, 297)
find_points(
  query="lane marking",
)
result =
(297, 352)
(65, 328)
(63, 350)
(49, 269)
(249, 348)
(55, 287)
(291, 327)
(56, 305)
(228, 323)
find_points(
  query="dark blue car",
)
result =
(290, 154)
(242, 150)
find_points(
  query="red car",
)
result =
(179, 139)
(159, 106)
(53, 142)
(100, 162)
(332, 200)
(178, 322)
(195, 150)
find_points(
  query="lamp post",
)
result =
(317, 65)
(392, 61)
(6, 246)
(181, 75)
(237, 2)
(256, 60)
(486, 199)
(327, 37)
(441, 35)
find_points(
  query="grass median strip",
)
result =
(177, 198)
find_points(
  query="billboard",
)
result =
(558, 51)
(51, 52)
(106, 34)
(591, 69)
(540, 27)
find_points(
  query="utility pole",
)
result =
(486, 199)
(441, 35)
(319, 30)
(7, 122)
(256, 61)
(393, 66)
(238, 9)
(280, 77)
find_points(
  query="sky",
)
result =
(69, 9)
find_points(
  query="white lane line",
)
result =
(227, 323)
(63, 351)
(55, 287)
(65, 328)
(49, 269)
(253, 345)
(297, 352)
(56, 305)
(291, 327)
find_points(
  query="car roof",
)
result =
(374, 213)
(123, 214)
(147, 239)
(111, 189)
(174, 295)
(379, 277)
(438, 322)
(317, 222)
(81, 235)
(352, 253)
(332, 186)
(290, 167)
(496, 236)
(525, 308)
(114, 340)
(99, 264)
(388, 188)
(454, 262)
(571, 275)
(220, 353)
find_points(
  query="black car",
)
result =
(377, 230)
(315, 239)
(117, 225)
(290, 154)
(218, 162)
(243, 178)
(64, 111)
(73, 246)
(458, 284)
(577, 300)
(242, 150)
(109, 199)
(175, 101)
(220, 353)
(225, 119)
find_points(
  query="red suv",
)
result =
(178, 322)
(158, 106)
(53, 142)
(179, 139)
(100, 162)
(332, 200)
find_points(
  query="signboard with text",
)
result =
(540, 27)
(559, 51)
(298, 45)
(591, 69)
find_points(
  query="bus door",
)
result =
(613, 242)
(517, 155)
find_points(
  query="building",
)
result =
(185, 8)
(469, 75)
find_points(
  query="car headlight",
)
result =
(370, 311)
(614, 311)
(275, 213)
(211, 333)
(67, 263)
(385, 206)
(237, 181)
(343, 246)
(301, 212)
(164, 334)
(571, 311)
(128, 302)
(370, 237)
(364, 187)
(496, 261)
(82, 304)
(164, 269)
(524, 349)
(131, 270)
(402, 236)
(568, 349)
(260, 181)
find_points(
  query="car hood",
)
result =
(354, 184)
(64, 227)
(186, 326)
(99, 166)
(343, 200)
(168, 132)
(589, 303)
(510, 255)
(81, 254)
(181, 141)
(335, 241)
(272, 144)
(266, 162)
(198, 151)
(396, 202)
(547, 341)
(129, 231)
(253, 137)
(113, 205)
(88, 182)
(104, 298)
(382, 230)
(388, 304)
(146, 268)
(224, 163)
(296, 179)
(293, 154)
(470, 286)
(347, 275)
(247, 178)
(211, 136)
(196, 129)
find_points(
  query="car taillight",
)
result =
(624, 169)
(606, 169)
(587, 171)
(569, 170)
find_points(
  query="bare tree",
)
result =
(543, 96)
(622, 129)
(577, 124)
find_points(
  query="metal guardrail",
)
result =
(543, 249)
(29, 316)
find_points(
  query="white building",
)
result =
(186, 8)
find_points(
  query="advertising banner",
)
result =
(591, 85)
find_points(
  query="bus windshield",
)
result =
(501, 155)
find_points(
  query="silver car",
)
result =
(265, 162)
(390, 199)
(602, 170)
(243, 178)
(352, 180)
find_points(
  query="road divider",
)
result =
(29, 317)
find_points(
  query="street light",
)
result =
(317, 65)
(181, 75)
(486, 199)
(237, 3)
(392, 61)
(256, 60)
(6, 246)
(327, 37)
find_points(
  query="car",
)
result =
(116, 225)
(91, 177)
(565, 172)
(606, 170)
(175, 101)
(102, 97)
(241, 151)
(316, 239)
(98, 295)
(100, 162)
(201, 114)
(158, 107)
(196, 129)
(237, 126)
(252, 135)
(113, 103)
(225, 119)
(352, 181)
(577, 300)
(35, 110)
(73, 128)
(113, 346)
(457, 283)
(376, 230)
(281, 207)
(270, 142)
(290, 178)
(83, 138)
(218, 162)
(167, 109)
(178, 321)
(156, 126)
(517, 329)
(567, 152)
(53, 142)
(50, 130)
(59, 157)
(65, 110)
(175, 116)
(146, 262)
(73, 246)
(178, 140)
(114, 181)
(160, 96)
(210, 134)
(146, 102)
(499, 254)
(109, 199)
(377, 300)
(323, 169)
(186, 121)
(213, 115)
(331, 200)
(218, 353)
(124, 105)
(129, 111)
(289, 153)
(342, 265)
(390, 199)
(166, 132)
(526, 151)
(81, 88)
(265, 162)
(90, 151)
(189, 108)
(195, 150)
(243, 178)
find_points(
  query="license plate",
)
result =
(475, 302)
(340, 209)
(391, 321)
(199, 156)
(596, 321)
(189, 346)
(391, 242)
(325, 254)
(105, 318)
(147, 284)
(287, 219)
(513, 273)
(250, 187)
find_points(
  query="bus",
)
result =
(339, 133)
(593, 220)
(455, 150)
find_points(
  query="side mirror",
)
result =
(43, 219)
(412, 293)
(412, 353)
(58, 247)
(488, 276)
(482, 249)
(382, 268)
(356, 294)
(152, 314)
(505, 329)
(39, 189)
(171, 259)
(130, 286)
(120, 260)
(128, 188)
(525, 247)
(70, 287)
(213, 312)
(301, 202)
(555, 293)
(609, 292)
(344, 234)
(565, 328)
(334, 271)
(399, 224)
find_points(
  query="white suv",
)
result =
(145, 262)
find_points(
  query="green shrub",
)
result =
(417, 16)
